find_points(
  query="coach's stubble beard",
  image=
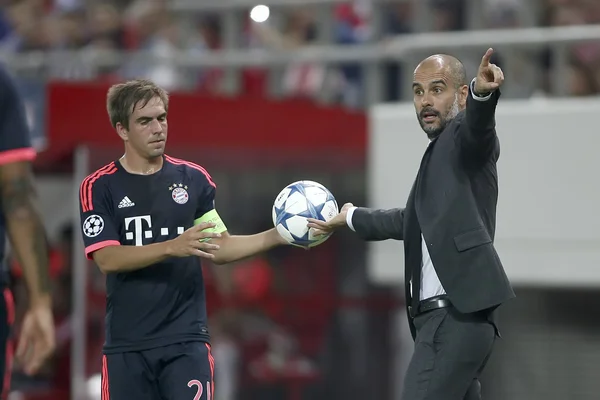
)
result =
(435, 131)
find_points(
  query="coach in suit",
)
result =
(454, 277)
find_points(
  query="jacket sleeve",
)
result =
(476, 135)
(373, 225)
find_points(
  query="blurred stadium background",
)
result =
(317, 91)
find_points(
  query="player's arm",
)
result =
(235, 247)
(369, 224)
(230, 247)
(23, 222)
(25, 228)
(130, 258)
(102, 242)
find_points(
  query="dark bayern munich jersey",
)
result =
(164, 303)
(15, 145)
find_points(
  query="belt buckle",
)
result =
(411, 312)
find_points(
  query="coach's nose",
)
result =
(426, 100)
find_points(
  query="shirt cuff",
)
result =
(478, 98)
(349, 215)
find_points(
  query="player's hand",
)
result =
(191, 242)
(37, 340)
(324, 228)
(489, 76)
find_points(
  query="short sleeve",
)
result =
(207, 191)
(97, 223)
(15, 143)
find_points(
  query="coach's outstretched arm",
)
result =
(477, 132)
(369, 224)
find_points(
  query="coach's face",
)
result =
(147, 133)
(436, 96)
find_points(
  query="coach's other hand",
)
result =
(324, 228)
(489, 76)
(190, 243)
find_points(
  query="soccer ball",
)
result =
(297, 202)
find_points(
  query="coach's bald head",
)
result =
(440, 92)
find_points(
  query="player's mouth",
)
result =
(157, 141)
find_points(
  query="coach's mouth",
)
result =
(429, 116)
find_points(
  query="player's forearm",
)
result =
(27, 236)
(112, 259)
(235, 248)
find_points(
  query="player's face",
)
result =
(147, 134)
(437, 100)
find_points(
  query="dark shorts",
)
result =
(175, 372)
(7, 317)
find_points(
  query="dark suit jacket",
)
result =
(454, 200)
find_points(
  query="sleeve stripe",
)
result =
(177, 161)
(100, 245)
(85, 191)
(16, 155)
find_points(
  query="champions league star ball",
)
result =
(297, 202)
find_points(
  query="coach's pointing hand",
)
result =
(324, 228)
(190, 242)
(489, 76)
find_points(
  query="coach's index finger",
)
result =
(485, 60)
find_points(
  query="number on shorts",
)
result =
(200, 389)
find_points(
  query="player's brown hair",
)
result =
(122, 99)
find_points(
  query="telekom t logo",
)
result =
(142, 229)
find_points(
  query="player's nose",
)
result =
(157, 127)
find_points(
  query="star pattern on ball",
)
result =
(312, 210)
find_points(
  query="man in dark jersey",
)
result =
(146, 219)
(20, 220)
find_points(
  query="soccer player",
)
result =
(147, 219)
(20, 220)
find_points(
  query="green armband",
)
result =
(212, 217)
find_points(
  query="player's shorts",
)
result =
(7, 318)
(175, 372)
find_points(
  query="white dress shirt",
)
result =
(430, 282)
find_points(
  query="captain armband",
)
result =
(212, 217)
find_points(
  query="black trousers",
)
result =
(451, 350)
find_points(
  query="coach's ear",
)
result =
(121, 131)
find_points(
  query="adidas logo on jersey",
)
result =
(126, 203)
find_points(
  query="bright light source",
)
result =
(260, 13)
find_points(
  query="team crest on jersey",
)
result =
(179, 193)
(93, 226)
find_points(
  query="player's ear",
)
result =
(121, 131)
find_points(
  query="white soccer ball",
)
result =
(297, 202)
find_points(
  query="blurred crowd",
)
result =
(92, 26)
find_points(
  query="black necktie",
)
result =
(412, 254)
(412, 247)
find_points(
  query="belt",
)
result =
(430, 304)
